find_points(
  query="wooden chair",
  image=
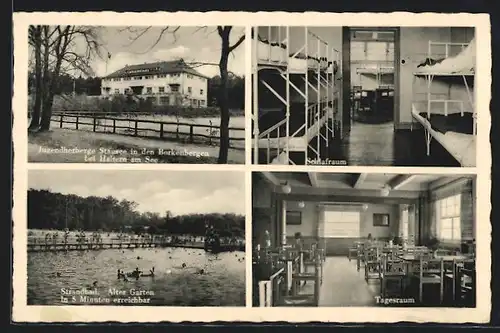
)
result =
(313, 259)
(466, 285)
(304, 299)
(353, 252)
(393, 270)
(271, 291)
(429, 272)
(360, 257)
(373, 264)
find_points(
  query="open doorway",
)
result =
(373, 71)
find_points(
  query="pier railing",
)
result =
(40, 244)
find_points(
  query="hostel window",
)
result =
(161, 89)
(341, 224)
(448, 218)
(376, 51)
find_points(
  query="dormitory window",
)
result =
(149, 77)
(161, 76)
(117, 91)
(161, 89)
(340, 224)
(448, 214)
(201, 91)
(189, 90)
(149, 90)
(174, 88)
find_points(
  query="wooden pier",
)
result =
(51, 246)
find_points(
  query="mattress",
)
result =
(462, 63)
(453, 122)
(275, 53)
(461, 146)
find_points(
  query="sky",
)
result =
(181, 192)
(193, 44)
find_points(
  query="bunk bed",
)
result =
(377, 70)
(306, 102)
(451, 122)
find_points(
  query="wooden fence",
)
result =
(163, 130)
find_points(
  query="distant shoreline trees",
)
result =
(49, 210)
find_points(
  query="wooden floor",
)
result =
(378, 145)
(343, 285)
(381, 145)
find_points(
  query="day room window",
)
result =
(339, 224)
(448, 214)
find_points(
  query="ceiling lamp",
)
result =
(385, 190)
(286, 188)
(302, 204)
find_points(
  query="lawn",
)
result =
(72, 146)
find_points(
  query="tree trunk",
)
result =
(35, 116)
(223, 99)
(46, 76)
(60, 49)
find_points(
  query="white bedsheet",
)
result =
(273, 54)
(267, 53)
(461, 63)
(461, 146)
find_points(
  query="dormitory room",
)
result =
(346, 239)
(399, 96)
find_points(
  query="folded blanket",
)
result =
(430, 62)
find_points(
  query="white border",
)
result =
(24, 313)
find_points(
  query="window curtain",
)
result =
(433, 220)
(411, 225)
(402, 208)
(467, 213)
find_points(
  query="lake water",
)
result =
(222, 284)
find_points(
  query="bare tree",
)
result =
(56, 51)
(35, 34)
(226, 49)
